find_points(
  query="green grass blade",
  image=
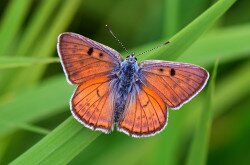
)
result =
(179, 43)
(231, 93)
(199, 147)
(35, 26)
(69, 138)
(7, 63)
(190, 10)
(35, 103)
(25, 126)
(46, 46)
(11, 23)
(171, 17)
(61, 21)
(229, 44)
(182, 40)
(171, 139)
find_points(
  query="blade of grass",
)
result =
(178, 44)
(61, 21)
(70, 137)
(190, 10)
(183, 39)
(13, 18)
(7, 63)
(35, 103)
(45, 47)
(199, 147)
(171, 14)
(227, 43)
(230, 93)
(35, 26)
(11, 23)
(24, 126)
(235, 129)
(131, 157)
(4, 142)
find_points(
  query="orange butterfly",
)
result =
(112, 91)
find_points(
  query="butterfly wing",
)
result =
(84, 59)
(145, 113)
(176, 83)
(92, 104)
(90, 65)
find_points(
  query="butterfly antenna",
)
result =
(159, 46)
(117, 39)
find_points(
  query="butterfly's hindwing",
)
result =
(145, 113)
(92, 104)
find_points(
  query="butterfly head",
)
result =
(131, 58)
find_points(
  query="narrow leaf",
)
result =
(69, 138)
(16, 62)
(199, 148)
(35, 103)
(183, 39)
(14, 17)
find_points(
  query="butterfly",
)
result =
(132, 96)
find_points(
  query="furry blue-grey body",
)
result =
(124, 84)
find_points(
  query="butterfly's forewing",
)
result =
(89, 64)
(145, 113)
(84, 59)
(176, 83)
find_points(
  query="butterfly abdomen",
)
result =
(124, 85)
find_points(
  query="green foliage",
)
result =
(34, 96)
(198, 150)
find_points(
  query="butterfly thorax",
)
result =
(124, 84)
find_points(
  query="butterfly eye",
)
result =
(135, 58)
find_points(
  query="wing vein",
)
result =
(142, 109)
(86, 58)
(169, 76)
(88, 93)
(97, 105)
(178, 70)
(170, 87)
(89, 106)
(159, 92)
(153, 107)
(96, 75)
(178, 85)
(157, 102)
(102, 108)
(134, 114)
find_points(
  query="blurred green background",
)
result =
(36, 126)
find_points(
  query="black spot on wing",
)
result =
(100, 55)
(90, 51)
(172, 72)
(161, 70)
